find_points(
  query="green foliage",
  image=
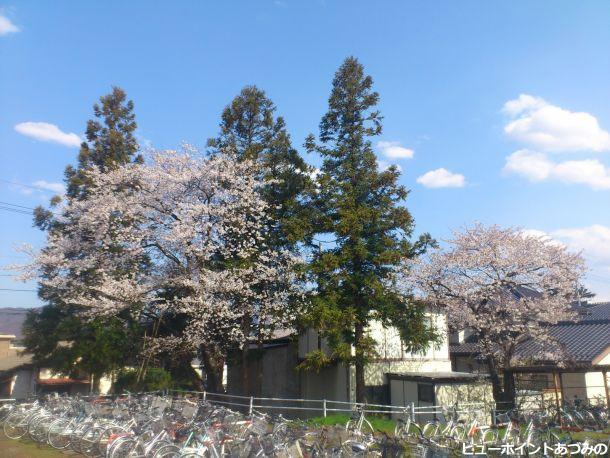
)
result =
(60, 340)
(155, 379)
(250, 128)
(110, 140)
(56, 334)
(363, 210)
(315, 361)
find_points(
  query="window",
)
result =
(425, 392)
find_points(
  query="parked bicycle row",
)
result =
(575, 418)
(161, 426)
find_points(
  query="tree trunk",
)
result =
(510, 391)
(503, 388)
(245, 381)
(359, 363)
(213, 367)
(259, 369)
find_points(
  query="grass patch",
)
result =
(379, 423)
(26, 449)
(596, 436)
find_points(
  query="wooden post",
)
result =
(605, 375)
(559, 419)
(560, 378)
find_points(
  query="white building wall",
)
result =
(596, 391)
(389, 345)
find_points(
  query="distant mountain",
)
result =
(11, 320)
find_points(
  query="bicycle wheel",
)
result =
(33, 421)
(58, 435)
(152, 448)
(15, 426)
(75, 433)
(38, 430)
(89, 441)
(108, 437)
(124, 448)
(167, 451)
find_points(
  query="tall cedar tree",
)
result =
(361, 207)
(250, 129)
(55, 334)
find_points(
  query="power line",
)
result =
(16, 205)
(24, 185)
(15, 210)
(18, 290)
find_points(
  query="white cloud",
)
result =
(524, 102)
(6, 26)
(594, 243)
(529, 164)
(384, 165)
(538, 167)
(441, 178)
(593, 240)
(46, 132)
(56, 187)
(545, 127)
(542, 235)
(394, 150)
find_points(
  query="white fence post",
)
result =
(324, 407)
(251, 404)
(205, 396)
(412, 408)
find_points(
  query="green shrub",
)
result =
(155, 379)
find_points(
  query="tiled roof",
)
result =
(438, 377)
(465, 348)
(11, 320)
(60, 381)
(582, 341)
(594, 312)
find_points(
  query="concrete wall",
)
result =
(280, 376)
(334, 382)
(24, 384)
(375, 372)
(448, 394)
(405, 392)
(5, 345)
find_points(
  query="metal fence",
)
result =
(326, 407)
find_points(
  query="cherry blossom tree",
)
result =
(505, 287)
(182, 234)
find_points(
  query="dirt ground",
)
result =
(25, 449)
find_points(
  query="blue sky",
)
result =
(511, 100)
